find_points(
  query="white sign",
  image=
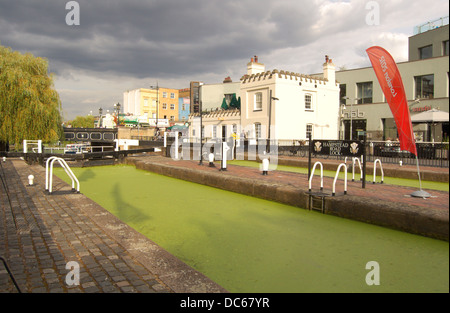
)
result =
(128, 142)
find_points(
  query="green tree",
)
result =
(29, 105)
(83, 122)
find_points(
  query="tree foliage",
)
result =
(29, 105)
(83, 122)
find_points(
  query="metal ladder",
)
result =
(316, 202)
(49, 174)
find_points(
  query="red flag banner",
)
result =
(391, 83)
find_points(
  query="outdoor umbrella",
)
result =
(430, 116)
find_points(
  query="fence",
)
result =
(429, 153)
(435, 154)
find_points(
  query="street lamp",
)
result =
(270, 115)
(201, 122)
(351, 115)
(157, 103)
(117, 108)
(100, 111)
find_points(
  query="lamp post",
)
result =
(351, 115)
(100, 111)
(157, 103)
(117, 109)
(201, 123)
(271, 98)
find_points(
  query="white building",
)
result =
(212, 95)
(289, 105)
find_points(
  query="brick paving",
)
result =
(40, 234)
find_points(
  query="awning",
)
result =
(430, 116)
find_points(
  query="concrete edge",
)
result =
(427, 222)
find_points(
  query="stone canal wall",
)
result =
(422, 220)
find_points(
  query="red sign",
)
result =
(392, 85)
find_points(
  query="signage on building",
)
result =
(421, 109)
(350, 148)
(355, 114)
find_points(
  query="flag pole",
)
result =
(420, 193)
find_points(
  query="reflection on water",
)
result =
(252, 245)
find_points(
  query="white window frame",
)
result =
(257, 105)
(258, 130)
(311, 102)
(310, 131)
(172, 106)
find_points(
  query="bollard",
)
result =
(225, 148)
(211, 160)
(265, 166)
(30, 180)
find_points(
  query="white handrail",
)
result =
(321, 176)
(375, 171)
(49, 176)
(353, 168)
(336, 176)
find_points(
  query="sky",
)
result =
(122, 45)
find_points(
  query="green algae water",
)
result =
(247, 244)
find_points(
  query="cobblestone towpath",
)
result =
(45, 241)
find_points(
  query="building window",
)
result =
(424, 86)
(258, 130)
(258, 101)
(364, 91)
(183, 107)
(164, 106)
(214, 131)
(342, 93)
(172, 95)
(164, 94)
(172, 106)
(426, 52)
(445, 48)
(308, 102)
(146, 102)
(309, 130)
(172, 118)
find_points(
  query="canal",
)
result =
(247, 244)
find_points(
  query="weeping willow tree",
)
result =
(29, 105)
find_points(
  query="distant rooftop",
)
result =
(431, 25)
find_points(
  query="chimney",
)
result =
(254, 67)
(329, 70)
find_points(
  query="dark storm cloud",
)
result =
(160, 38)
